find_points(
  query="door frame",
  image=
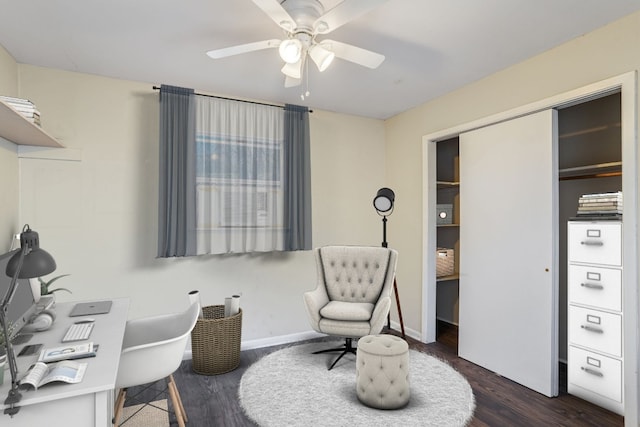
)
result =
(626, 84)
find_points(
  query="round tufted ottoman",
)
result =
(382, 371)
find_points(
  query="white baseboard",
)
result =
(267, 342)
(282, 339)
(299, 336)
(407, 331)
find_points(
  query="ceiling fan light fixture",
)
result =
(321, 56)
(290, 50)
(293, 70)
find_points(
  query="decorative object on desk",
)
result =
(45, 285)
(215, 341)
(444, 214)
(3, 351)
(600, 205)
(66, 371)
(445, 262)
(29, 262)
(383, 202)
(289, 388)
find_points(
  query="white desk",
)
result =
(88, 403)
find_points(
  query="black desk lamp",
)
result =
(383, 203)
(29, 262)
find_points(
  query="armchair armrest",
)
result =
(379, 315)
(314, 301)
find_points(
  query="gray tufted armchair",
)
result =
(353, 293)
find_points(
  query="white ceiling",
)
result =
(431, 47)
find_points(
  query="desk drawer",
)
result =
(595, 286)
(599, 374)
(595, 329)
(595, 242)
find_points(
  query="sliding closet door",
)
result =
(508, 261)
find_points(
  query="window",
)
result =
(237, 176)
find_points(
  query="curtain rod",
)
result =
(234, 99)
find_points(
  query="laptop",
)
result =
(90, 308)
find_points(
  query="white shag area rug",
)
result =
(292, 387)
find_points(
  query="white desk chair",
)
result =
(152, 350)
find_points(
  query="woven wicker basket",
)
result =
(215, 341)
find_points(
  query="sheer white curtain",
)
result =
(239, 197)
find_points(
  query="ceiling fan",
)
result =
(303, 21)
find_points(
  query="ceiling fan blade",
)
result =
(343, 13)
(276, 12)
(291, 82)
(355, 54)
(243, 48)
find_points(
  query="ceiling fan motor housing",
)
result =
(304, 13)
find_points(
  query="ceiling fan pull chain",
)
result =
(306, 78)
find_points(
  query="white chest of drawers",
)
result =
(595, 317)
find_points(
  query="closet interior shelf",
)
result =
(599, 170)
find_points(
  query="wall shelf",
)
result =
(17, 129)
(447, 278)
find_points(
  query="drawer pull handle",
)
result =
(592, 371)
(592, 329)
(591, 243)
(591, 286)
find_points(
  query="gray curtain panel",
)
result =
(176, 201)
(297, 179)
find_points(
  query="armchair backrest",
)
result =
(354, 273)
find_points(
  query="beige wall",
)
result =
(97, 213)
(604, 53)
(8, 159)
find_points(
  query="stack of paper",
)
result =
(24, 107)
(602, 204)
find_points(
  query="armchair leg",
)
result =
(346, 348)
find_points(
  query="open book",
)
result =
(66, 371)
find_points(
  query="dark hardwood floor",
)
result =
(212, 400)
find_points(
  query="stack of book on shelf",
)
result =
(602, 204)
(24, 107)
